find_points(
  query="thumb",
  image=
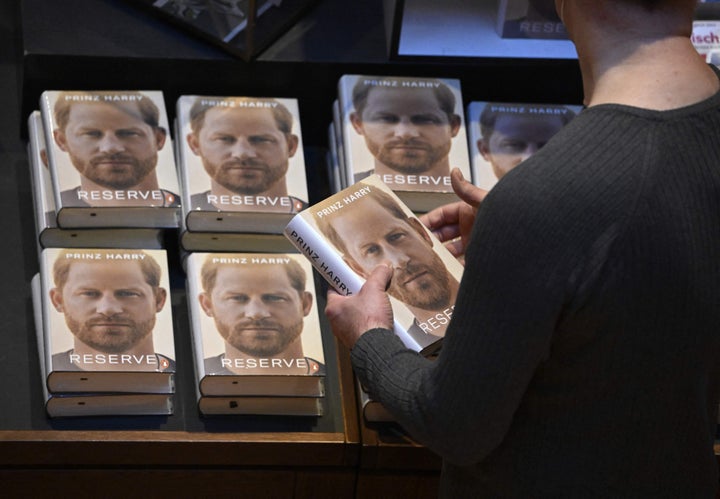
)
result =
(465, 190)
(380, 277)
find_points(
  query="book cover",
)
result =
(409, 131)
(255, 325)
(107, 320)
(337, 137)
(348, 234)
(536, 19)
(111, 159)
(91, 404)
(49, 234)
(706, 39)
(371, 410)
(503, 134)
(241, 163)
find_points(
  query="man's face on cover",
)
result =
(405, 130)
(110, 146)
(372, 235)
(515, 138)
(256, 309)
(242, 149)
(109, 306)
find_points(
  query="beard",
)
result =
(429, 288)
(117, 334)
(117, 177)
(273, 340)
(246, 177)
(408, 156)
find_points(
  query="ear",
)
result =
(356, 122)
(160, 137)
(160, 299)
(355, 267)
(484, 149)
(293, 142)
(57, 300)
(307, 302)
(455, 122)
(60, 139)
(420, 229)
(194, 144)
(206, 303)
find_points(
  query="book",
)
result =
(349, 233)
(267, 406)
(535, 19)
(241, 163)
(502, 134)
(409, 131)
(48, 233)
(371, 410)
(107, 320)
(254, 325)
(90, 404)
(337, 140)
(111, 159)
(706, 39)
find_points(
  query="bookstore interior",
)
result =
(173, 166)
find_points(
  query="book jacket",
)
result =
(503, 134)
(241, 163)
(349, 233)
(111, 158)
(409, 131)
(107, 320)
(255, 324)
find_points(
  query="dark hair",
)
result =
(362, 88)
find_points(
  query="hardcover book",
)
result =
(503, 134)
(49, 234)
(241, 163)
(706, 39)
(349, 233)
(409, 131)
(254, 325)
(111, 159)
(268, 406)
(536, 19)
(372, 411)
(91, 404)
(107, 320)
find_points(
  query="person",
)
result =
(109, 299)
(245, 145)
(258, 306)
(378, 230)
(511, 133)
(583, 356)
(408, 129)
(112, 139)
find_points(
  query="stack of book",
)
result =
(242, 171)
(105, 192)
(409, 131)
(104, 332)
(256, 334)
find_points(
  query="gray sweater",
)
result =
(583, 357)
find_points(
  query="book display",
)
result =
(533, 19)
(321, 438)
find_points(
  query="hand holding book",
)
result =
(351, 316)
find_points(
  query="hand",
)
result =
(452, 223)
(351, 316)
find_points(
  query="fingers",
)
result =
(465, 190)
(380, 277)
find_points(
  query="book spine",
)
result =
(333, 268)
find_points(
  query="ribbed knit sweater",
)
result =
(583, 357)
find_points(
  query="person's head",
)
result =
(377, 230)
(244, 143)
(511, 133)
(109, 304)
(406, 128)
(258, 308)
(112, 138)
